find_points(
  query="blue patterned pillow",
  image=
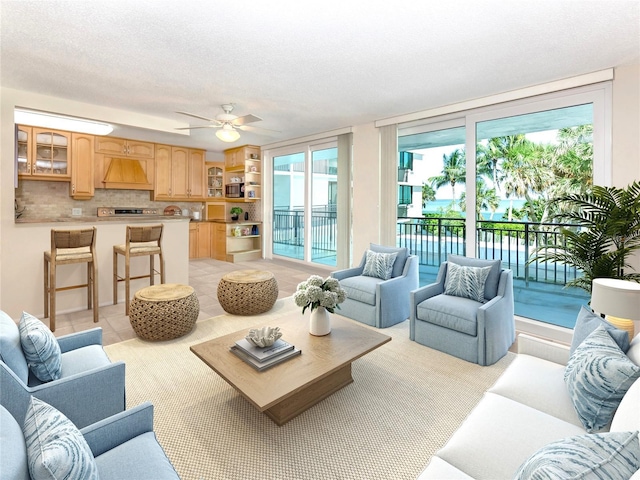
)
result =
(379, 265)
(598, 374)
(587, 322)
(40, 348)
(467, 282)
(599, 455)
(55, 447)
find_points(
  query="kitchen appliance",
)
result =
(127, 212)
(234, 190)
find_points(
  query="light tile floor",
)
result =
(204, 275)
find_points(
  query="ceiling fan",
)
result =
(228, 123)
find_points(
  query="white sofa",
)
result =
(526, 409)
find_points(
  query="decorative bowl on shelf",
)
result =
(263, 337)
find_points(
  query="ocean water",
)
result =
(500, 213)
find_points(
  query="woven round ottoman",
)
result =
(163, 312)
(247, 292)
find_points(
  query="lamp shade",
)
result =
(620, 298)
(227, 133)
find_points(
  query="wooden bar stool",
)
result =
(141, 241)
(68, 247)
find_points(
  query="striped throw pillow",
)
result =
(379, 265)
(55, 447)
(597, 375)
(599, 455)
(40, 348)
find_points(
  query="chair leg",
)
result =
(52, 296)
(127, 283)
(115, 277)
(46, 287)
(152, 270)
(94, 289)
(89, 287)
(161, 267)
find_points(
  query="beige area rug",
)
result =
(405, 402)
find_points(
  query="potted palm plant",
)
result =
(607, 233)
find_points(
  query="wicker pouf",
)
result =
(247, 292)
(163, 312)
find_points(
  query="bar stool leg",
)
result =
(52, 296)
(161, 267)
(115, 276)
(94, 289)
(152, 270)
(46, 287)
(127, 282)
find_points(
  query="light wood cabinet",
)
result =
(179, 174)
(43, 154)
(219, 242)
(244, 163)
(200, 240)
(124, 147)
(243, 242)
(215, 179)
(82, 166)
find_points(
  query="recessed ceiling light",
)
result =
(60, 122)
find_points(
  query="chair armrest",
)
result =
(73, 341)
(537, 347)
(107, 434)
(347, 272)
(86, 397)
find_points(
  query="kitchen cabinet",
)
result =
(215, 180)
(43, 154)
(82, 166)
(124, 147)
(244, 163)
(179, 174)
(200, 240)
(237, 241)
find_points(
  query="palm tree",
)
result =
(486, 199)
(453, 171)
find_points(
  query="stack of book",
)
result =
(262, 358)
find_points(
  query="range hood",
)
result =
(126, 173)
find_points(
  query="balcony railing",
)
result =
(432, 239)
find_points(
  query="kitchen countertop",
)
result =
(95, 219)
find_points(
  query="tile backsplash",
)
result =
(39, 199)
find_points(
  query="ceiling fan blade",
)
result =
(246, 119)
(198, 126)
(196, 116)
(250, 128)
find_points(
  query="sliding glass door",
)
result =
(305, 204)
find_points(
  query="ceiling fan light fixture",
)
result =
(227, 133)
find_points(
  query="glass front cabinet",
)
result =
(43, 153)
(215, 181)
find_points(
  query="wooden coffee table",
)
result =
(286, 390)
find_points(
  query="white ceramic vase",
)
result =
(320, 322)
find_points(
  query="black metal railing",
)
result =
(288, 227)
(432, 239)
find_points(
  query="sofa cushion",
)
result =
(438, 469)
(491, 285)
(361, 288)
(600, 455)
(598, 375)
(10, 348)
(499, 435)
(40, 348)
(539, 384)
(466, 282)
(401, 258)
(379, 265)
(143, 457)
(588, 321)
(13, 451)
(627, 416)
(454, 313)
(55, 447)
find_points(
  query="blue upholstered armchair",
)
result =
(123, 446)
(467, 312)
(371, 298)
(90, 387)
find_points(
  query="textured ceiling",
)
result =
(303, 66)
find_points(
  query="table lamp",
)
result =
(619, 300)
